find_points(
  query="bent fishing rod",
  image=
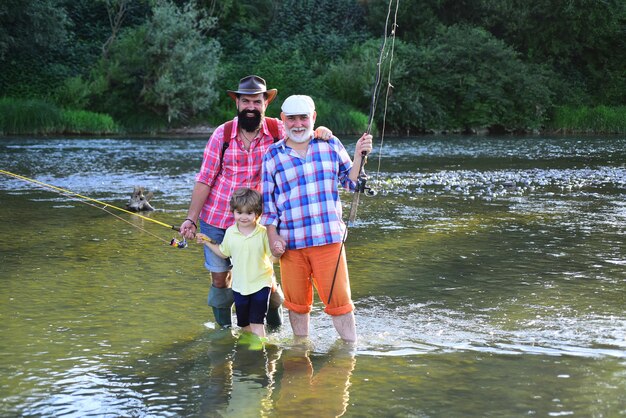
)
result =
(92, 202)
(362, 177)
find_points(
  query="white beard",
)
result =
(298, 135)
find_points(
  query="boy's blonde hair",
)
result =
(247, 200)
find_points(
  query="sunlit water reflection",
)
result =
(488, 276)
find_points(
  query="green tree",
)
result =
(184, 61)
(416, 19)
(290, 43)
(33, 39)
(464, 78)
(479, 81)
(350, 78)
(583, 40)
(165, 67)
(32, 27)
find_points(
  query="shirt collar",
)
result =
(283, 143)
(257, 229)
(264, 127)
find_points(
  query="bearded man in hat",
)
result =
(303, 216)
(232, 159)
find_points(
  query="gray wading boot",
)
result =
(275, 311)
(221, 300)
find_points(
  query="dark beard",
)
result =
(247, 123)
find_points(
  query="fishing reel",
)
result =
(362, 188)
(368, 191)
(178, 244)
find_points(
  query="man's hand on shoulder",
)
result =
(324, 133)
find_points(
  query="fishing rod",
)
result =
(90, 202)
(362, 177)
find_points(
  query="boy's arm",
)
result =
(211, 243)
(215, 248)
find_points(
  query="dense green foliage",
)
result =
(590, 119)
(163, 67)
(19, 116)
(33, 35)
(457, 64)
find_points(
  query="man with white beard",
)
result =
(302, 213)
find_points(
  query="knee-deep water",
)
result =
(488, 274)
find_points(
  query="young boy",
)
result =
(247, 245)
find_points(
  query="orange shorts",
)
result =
(302, 269)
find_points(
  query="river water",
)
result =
(488, 274)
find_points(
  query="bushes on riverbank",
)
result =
(341, 118)
(600, 119)
(39, 117)
(33, 116)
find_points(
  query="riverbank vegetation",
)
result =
(589, 119)
(35, 116)
(151, 65)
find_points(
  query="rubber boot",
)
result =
(221, 300)
(274, 317)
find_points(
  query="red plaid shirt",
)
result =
(240, 168)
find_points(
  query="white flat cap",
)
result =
(298, 105)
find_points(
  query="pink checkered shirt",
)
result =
(240, 168)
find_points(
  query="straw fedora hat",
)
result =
(253, 84)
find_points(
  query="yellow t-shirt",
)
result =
(250, 257)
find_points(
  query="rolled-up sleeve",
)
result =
(268, 184)
(345, 165)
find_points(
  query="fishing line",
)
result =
(88, 201)
(360, 187)
(117, 216)
(379, 65)
(389, 87)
